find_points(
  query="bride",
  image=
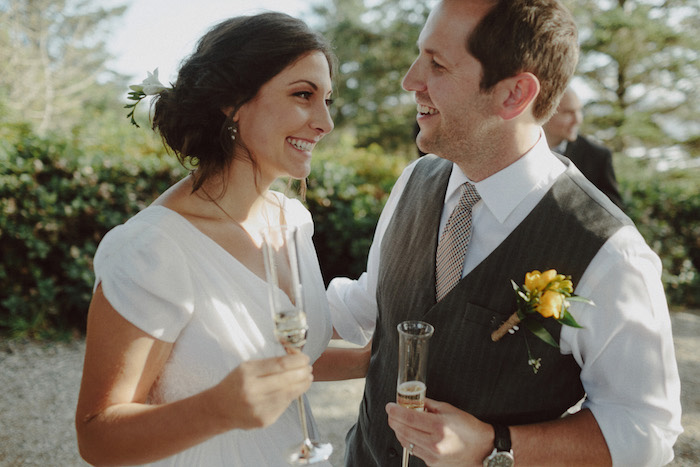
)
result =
(181, 365)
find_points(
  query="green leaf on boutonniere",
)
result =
(539, 330)
(568, 320)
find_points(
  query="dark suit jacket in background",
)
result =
(595, 162)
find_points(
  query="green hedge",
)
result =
(347, 190)
(56, 203)
(667, 212)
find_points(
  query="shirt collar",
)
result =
(504, 190)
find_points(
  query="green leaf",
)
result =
(568, 320)
(538, 330)
(576, 298)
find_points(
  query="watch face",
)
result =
(500, 459)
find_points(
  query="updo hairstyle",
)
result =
(230, 64)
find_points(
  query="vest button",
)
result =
(393, 452)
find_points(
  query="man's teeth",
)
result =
(424, 109)
(301, 144)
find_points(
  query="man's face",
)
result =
(453, 113)
(565, 123)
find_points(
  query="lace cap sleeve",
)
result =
(144, 276)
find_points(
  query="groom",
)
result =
(487, 75)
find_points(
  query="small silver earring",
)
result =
(233, 130)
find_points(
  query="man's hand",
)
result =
(442, 435)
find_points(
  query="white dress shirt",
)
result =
(625, 348)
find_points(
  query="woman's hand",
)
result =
(257, 392)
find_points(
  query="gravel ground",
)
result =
(39, 389)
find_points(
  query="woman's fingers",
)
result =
(257, 392)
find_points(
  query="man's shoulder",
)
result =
(591, 145)
(430, 165)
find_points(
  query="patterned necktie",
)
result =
(449, 261)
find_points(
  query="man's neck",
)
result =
(500, 153)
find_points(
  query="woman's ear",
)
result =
(517, 94)
(228, 111)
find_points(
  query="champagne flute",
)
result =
(285, 293)
(414, 337)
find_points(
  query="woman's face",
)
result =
(288, 116)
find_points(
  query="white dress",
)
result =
(173, 282)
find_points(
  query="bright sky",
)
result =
(160, 33)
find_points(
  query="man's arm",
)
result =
(340, 363)
(353, 303)
(573, 440)
(625, 350)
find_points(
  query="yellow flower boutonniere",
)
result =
(545, 293)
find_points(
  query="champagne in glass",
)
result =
(286, 303)
(413, 364)
(290, 329)
(411, 394)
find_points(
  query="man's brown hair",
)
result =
(536, 36)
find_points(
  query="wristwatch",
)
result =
(502, 454)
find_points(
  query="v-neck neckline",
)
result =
(217, 246)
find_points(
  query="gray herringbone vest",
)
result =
(490, 380)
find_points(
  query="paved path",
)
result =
(39, 387)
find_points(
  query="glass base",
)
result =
(310, 452)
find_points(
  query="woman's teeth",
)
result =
(301, 144)
(424, 109)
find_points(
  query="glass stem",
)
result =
(302, 417)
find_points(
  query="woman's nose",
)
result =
(324, 122)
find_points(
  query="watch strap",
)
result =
(501, 440)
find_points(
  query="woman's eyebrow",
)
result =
(310, 83)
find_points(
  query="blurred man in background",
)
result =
(593, 159)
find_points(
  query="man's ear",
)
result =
(516, 94)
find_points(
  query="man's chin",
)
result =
(424, 144)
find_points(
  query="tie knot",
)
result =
(469, 195)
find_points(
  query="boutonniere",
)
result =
(149, 87)
(545, 293)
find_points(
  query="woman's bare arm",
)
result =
(114, 424)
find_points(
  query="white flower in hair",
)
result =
(149, 87)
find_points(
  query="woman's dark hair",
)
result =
(230, 64)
